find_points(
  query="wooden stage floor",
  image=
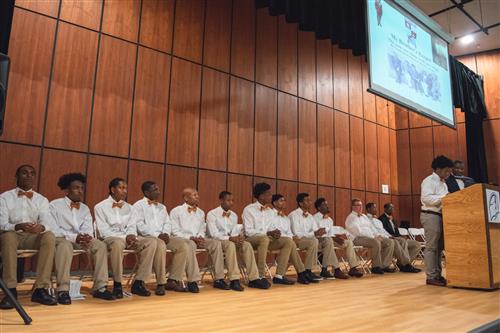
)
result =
(390, 303)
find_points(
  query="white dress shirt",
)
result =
(114, 222)
(16, 209)
(379, 226)
(433, 189)
(70, 222)
(332, 230)
(257, 219)
(303, 223)
(360, 226)
(151, 218)
(187, 224)
(282, 223)
(220, 226)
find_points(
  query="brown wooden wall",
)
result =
(212, 94)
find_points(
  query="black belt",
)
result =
(432, 212)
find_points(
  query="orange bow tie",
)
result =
(325, 216)
(75, 205)
(152, 202)
(305, 214)
(226, 214)
(117, 204)
(263, 208)
(281, 213)
(192, 210)
(27, 194)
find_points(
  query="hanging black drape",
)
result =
(468, 95)
(6, 13)
(341, 21)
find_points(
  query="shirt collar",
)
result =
(110, 198)
(436, 177)
(20, 189)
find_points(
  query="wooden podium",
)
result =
(472, 242)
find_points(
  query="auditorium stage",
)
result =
(390, 303)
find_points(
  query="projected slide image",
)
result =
(439, 53)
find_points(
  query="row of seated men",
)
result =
(29, 221)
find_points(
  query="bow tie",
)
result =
(27, 194)
(75, 205)
(226, 214)
(281, 213)
(325, 216)
(117, 204)
(191, 210)
(263, 208)
(152, 202)
(305, 214)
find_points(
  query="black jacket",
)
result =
(388, 226)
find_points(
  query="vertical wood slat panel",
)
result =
(70, 100)
(243, 39)
(176, 180)
(342, 151)
(393, 151)
(357, 154)
(308, 157)
(342, 205)
(421, 156)
(287, 56)
(47, 7)
(340, 79)
(86, 13)
(311, 189)
(287, 137)
(289, 190)
(241, 187)
(149, 122)
(326, 146)
(266, 48)
(371, 157)
(183, 118)
(100, 171)
(404, 163)
(445, 141)
(32, 37)
(492, 147)
(324, 72)
(11, 157)
(307, 65)
(216, 47)
(157, 24)
(328, 193)
(369, 109)
(138, 173)
(265, 132)
(355, 85)
(188, 29)
(214, 120)
(121, 18)
(488, 64)
(210, 184)
(113, 97)
(384, 158)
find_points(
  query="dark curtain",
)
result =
(341, 21)
(468, 95)
(6, 13)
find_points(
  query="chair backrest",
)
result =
(403, 231)
(414, 233)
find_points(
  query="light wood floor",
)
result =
(390, 303)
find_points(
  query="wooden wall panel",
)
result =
(216, 47)
(176, 180)
(86, 13)
(361, 195)
(113, 97)
(184, 113)
(241, 126)
(357, 154)
(462, 144)
(384, 158)
(391, 110)
(328, 193)
(210, 184)
(100, 171)
(403, 158)
(149, 121)
(405, 210)
(47, 7)
(416, 120)
(243, 39)
(488, 65)
(393, 151)
(308, 154)
(56, 163)
(324, 72)
(492, 146)
(188, 29)
(307, 65)
(415, 220)
(371, 156)
(289, 190)
(421, 156)
(326, 146)
(342, 205)
(402, 121)
(342, 151)
(214, 120)
(241, 187)
(70, 100)
(287, 150)
(382, 111)
(266, 113)
(266, 53)
(32, 37)
(270, 181)
(373, 197)
(121, 18)
(311, 189)
(157, 24)
(287, 56)
(355, 85)
(138, 173)
(445, 142)
(12, 156)
(369, 108)
(340, 79)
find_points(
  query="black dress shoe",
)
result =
(221, 284)
(6, 304)
(192, 287)
(258, 284)
(283, 280)
(236, 285)
(325, 274)
(174, 286)
(389, 270)
(408, 269)
(117, 292)
(265, 282)
(106, 295)
(435, 282)
(160, 290)
(139, 288)
(302, 278)
(355, 272)
(377, 270)
(313, 278)
(63, 298)
(42, 296)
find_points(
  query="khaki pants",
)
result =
(434, 244)
(248, 257)
(64, 256)
(11, 241)
(310, 245)
(180, 251)
(381, 250)
(327, 249)
(192, 268)
(145, 249)
(350, 253)
(412, 247)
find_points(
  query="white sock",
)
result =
(278, 276)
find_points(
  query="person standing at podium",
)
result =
(433, 190)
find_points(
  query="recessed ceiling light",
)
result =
(466, 39)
